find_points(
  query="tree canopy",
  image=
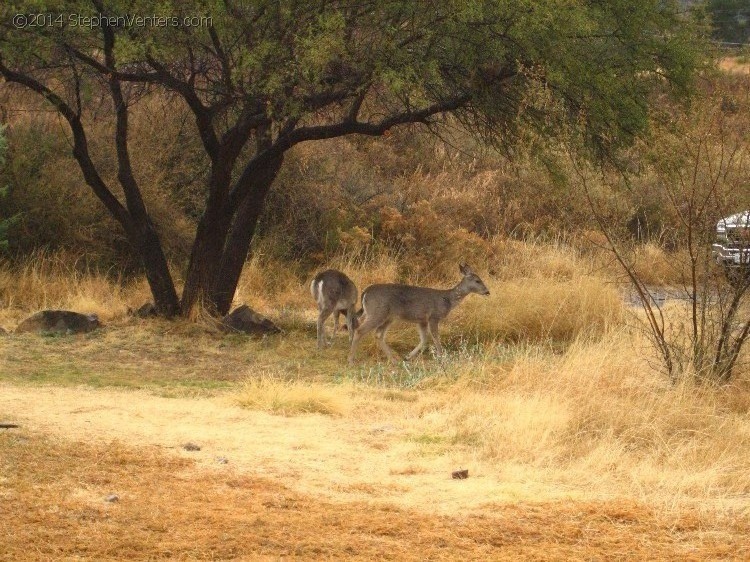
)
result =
(260, 77)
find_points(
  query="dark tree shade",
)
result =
(731, 20)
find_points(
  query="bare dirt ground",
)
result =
(339, 459)
(309, 487)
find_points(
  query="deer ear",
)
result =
(464, 269)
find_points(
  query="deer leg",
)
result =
(380, 333)
(433, 325)
(336, 314)
(349, 317)
(363, 330)
(322, 317)
(422, 341)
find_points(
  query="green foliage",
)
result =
(542, 63)
(6, 221)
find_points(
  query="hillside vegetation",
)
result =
(550, 393)
(428, 201)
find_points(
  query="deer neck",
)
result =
(457, 294)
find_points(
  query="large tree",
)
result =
(260, 77)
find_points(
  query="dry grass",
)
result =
(735, 65)
(591, 422)
(537, 293)
(545, 394)
(593, 418)
(55, 281)
(52, 499)
(655, 266)
(543, 279)
(540, 310)
(289, 397)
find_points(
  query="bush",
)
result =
(6, 219)
(59, 212)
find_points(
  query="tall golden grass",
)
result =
(538, 292)
(597, 414)
(541, 310)
(48, 280)
(545, 382)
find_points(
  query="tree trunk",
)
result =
(204, 263)
(241, 235)
(157, 272)
(210, 236)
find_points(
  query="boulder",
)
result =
(146, 310)
(244, 319)
(59, 322)
(460, 474)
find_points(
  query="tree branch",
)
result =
(148, 77)
(203, 116)
(350, 126)
(357, 104)
(226, 71)
(346, 127)
(80, 143)
(236, 136)
(133, 197)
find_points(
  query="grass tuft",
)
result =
(291, 398)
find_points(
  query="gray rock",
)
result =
(146, 310)
(112, 498)
(460, 474)
(244, 319)
(59, 322)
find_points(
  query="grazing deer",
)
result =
(335, 294)
(425, 307)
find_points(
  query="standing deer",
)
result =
(335, 294)
(425, 307)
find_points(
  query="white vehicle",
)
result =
(732, 247)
